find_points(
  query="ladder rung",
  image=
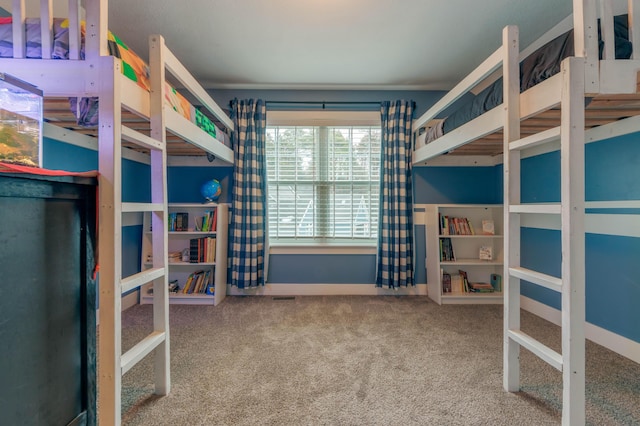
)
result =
(539, 278)
(535, 208)
(142, 207)
(138, 138)
(541, 351)
(536, 139)
(141, 278)
(142, 349)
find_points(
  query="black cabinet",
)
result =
(47, 300)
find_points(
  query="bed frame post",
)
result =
(634, 33)
(572, 187)
(19, 45)
(586, 41)
(159, 195)
(74, 29)
(96, 29)
(511, 167)
(46, 28)
(110, 243)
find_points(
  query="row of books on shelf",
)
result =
(455, 225)
(208, 222)
(463, 226)
(448, 255)
(199, 282)
(178, 222)
(459, 283)
(202, 250)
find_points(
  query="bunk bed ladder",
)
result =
(570, 211)
(113, 363)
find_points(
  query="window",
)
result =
(323, 183)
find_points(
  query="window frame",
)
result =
(322, 119)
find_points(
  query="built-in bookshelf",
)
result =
(464, 253)
(197, 260)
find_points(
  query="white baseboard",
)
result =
(327, 290)
(129, 300)
(619, 344)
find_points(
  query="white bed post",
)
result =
(96, 29)
(586, 41)
(46, 28)
(19, 45)
(634, 33)
(572, 136)
(110, 243)
(159, 196)
(511, 165)
(74, 29)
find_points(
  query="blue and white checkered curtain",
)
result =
(395, 233)
(247, 236)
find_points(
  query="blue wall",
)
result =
(62, 156)
(612, 282)
(184, 183)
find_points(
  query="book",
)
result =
(488, 227)
(446, 250)
(446, 283)
(465, 281)
(496, 282)
(193, 250)
(480, 287)
(486, 253)
(456, 283)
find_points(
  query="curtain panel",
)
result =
(395, 233)
(247, 236)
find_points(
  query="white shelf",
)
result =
(180, 240)
(470, 236)
(466, 249)
(192, 233)
(461, 262)
(182, 299)
(472, 298)
(183, 264)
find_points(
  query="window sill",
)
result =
(322, 248)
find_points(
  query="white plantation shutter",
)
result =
(323, 182)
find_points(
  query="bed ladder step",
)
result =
(133, 136)
(542, 351)
(535, 208)
(536, 139)
(141, 278)
(142, 207)
(538, 278)
(142, 349)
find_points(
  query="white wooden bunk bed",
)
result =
(129, 118)
(551, 112)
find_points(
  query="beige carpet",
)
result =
(357, 360)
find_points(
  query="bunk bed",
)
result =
(592, 97)
(131, 116)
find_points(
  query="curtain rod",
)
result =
(323, 103)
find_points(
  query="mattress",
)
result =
(535, 68)
(133, 67)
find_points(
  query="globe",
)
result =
(211, 190)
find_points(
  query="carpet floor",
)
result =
(359, 360)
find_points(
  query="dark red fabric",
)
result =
(17, 168)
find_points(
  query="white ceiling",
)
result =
(331, 44)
